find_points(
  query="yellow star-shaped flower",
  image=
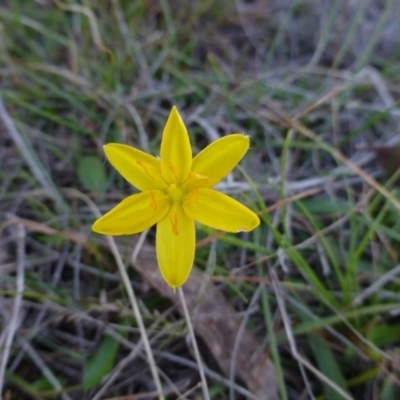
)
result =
(176, 191)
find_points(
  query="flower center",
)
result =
(176, 193)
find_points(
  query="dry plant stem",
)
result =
(189, 392)
(45, 370)
(374, 287)
(135, 349)
(129, 290)
(211, 374)
(136, 310)
(94, 26)
(232, 369)
(14, 320)
(194, 343)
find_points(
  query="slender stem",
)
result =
(138, 315)
(206, 396)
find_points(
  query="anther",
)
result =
(173, 217)
(153, 201)
(174, 171)
(192, 196)
(146, 168)
(199, 177)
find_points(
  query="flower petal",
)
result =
(219, 211)
(175, 244)
(219, 158)
(134, 214)
(140, 169)
(175, 152)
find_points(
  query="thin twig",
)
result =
(14, 320)
(239, 335)
(210, 373)
(374, 287)
(192, 390)
(44, 369)
(194, 343)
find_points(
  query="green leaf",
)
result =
(328, 366)
(320, 205)
(42, 384)
(91, 173)
(101, 363)
(383, 334)
(388, 391)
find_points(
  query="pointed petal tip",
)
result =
(94, 229)
(108, 145)
(255, 223)
(251, 226)
(240, 136)
(101, 228)
(174, 110)
(112, 145)
(175, 151)
(97, 228)
(174, 284)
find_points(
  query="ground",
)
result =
(305, 306)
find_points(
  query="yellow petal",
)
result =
(176, 152)
(219, 211)
(140, 169)
(134, 214)
(219, 158)
(175, 244)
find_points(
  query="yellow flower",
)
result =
(176, 191)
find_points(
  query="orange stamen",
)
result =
(146, 168)
(173, 217)
(198, 176)
(153, 201)
(174, 171)
(192, 196)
